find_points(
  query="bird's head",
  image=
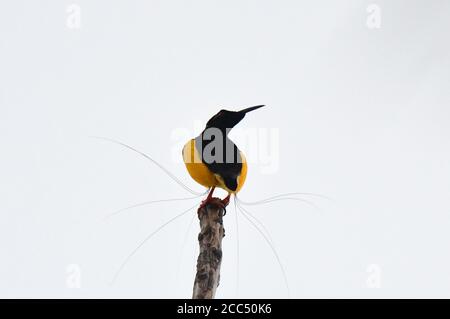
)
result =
(228, 119)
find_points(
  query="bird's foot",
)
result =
(207, 201)
(221, 203)
(226, 200)
(224, 203)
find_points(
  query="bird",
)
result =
(213, 160)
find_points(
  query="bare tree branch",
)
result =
(210, 256)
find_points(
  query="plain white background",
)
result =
(362, 115)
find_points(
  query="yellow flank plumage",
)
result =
(194, 165)
(202, 175)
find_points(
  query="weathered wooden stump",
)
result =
(210, 256)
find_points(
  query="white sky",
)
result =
(362, 116)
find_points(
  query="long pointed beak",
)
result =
(249, 109)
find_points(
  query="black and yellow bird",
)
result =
(213, 160)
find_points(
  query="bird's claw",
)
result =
(221, 203)
(224, 203)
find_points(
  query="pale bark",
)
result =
(210, 256)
